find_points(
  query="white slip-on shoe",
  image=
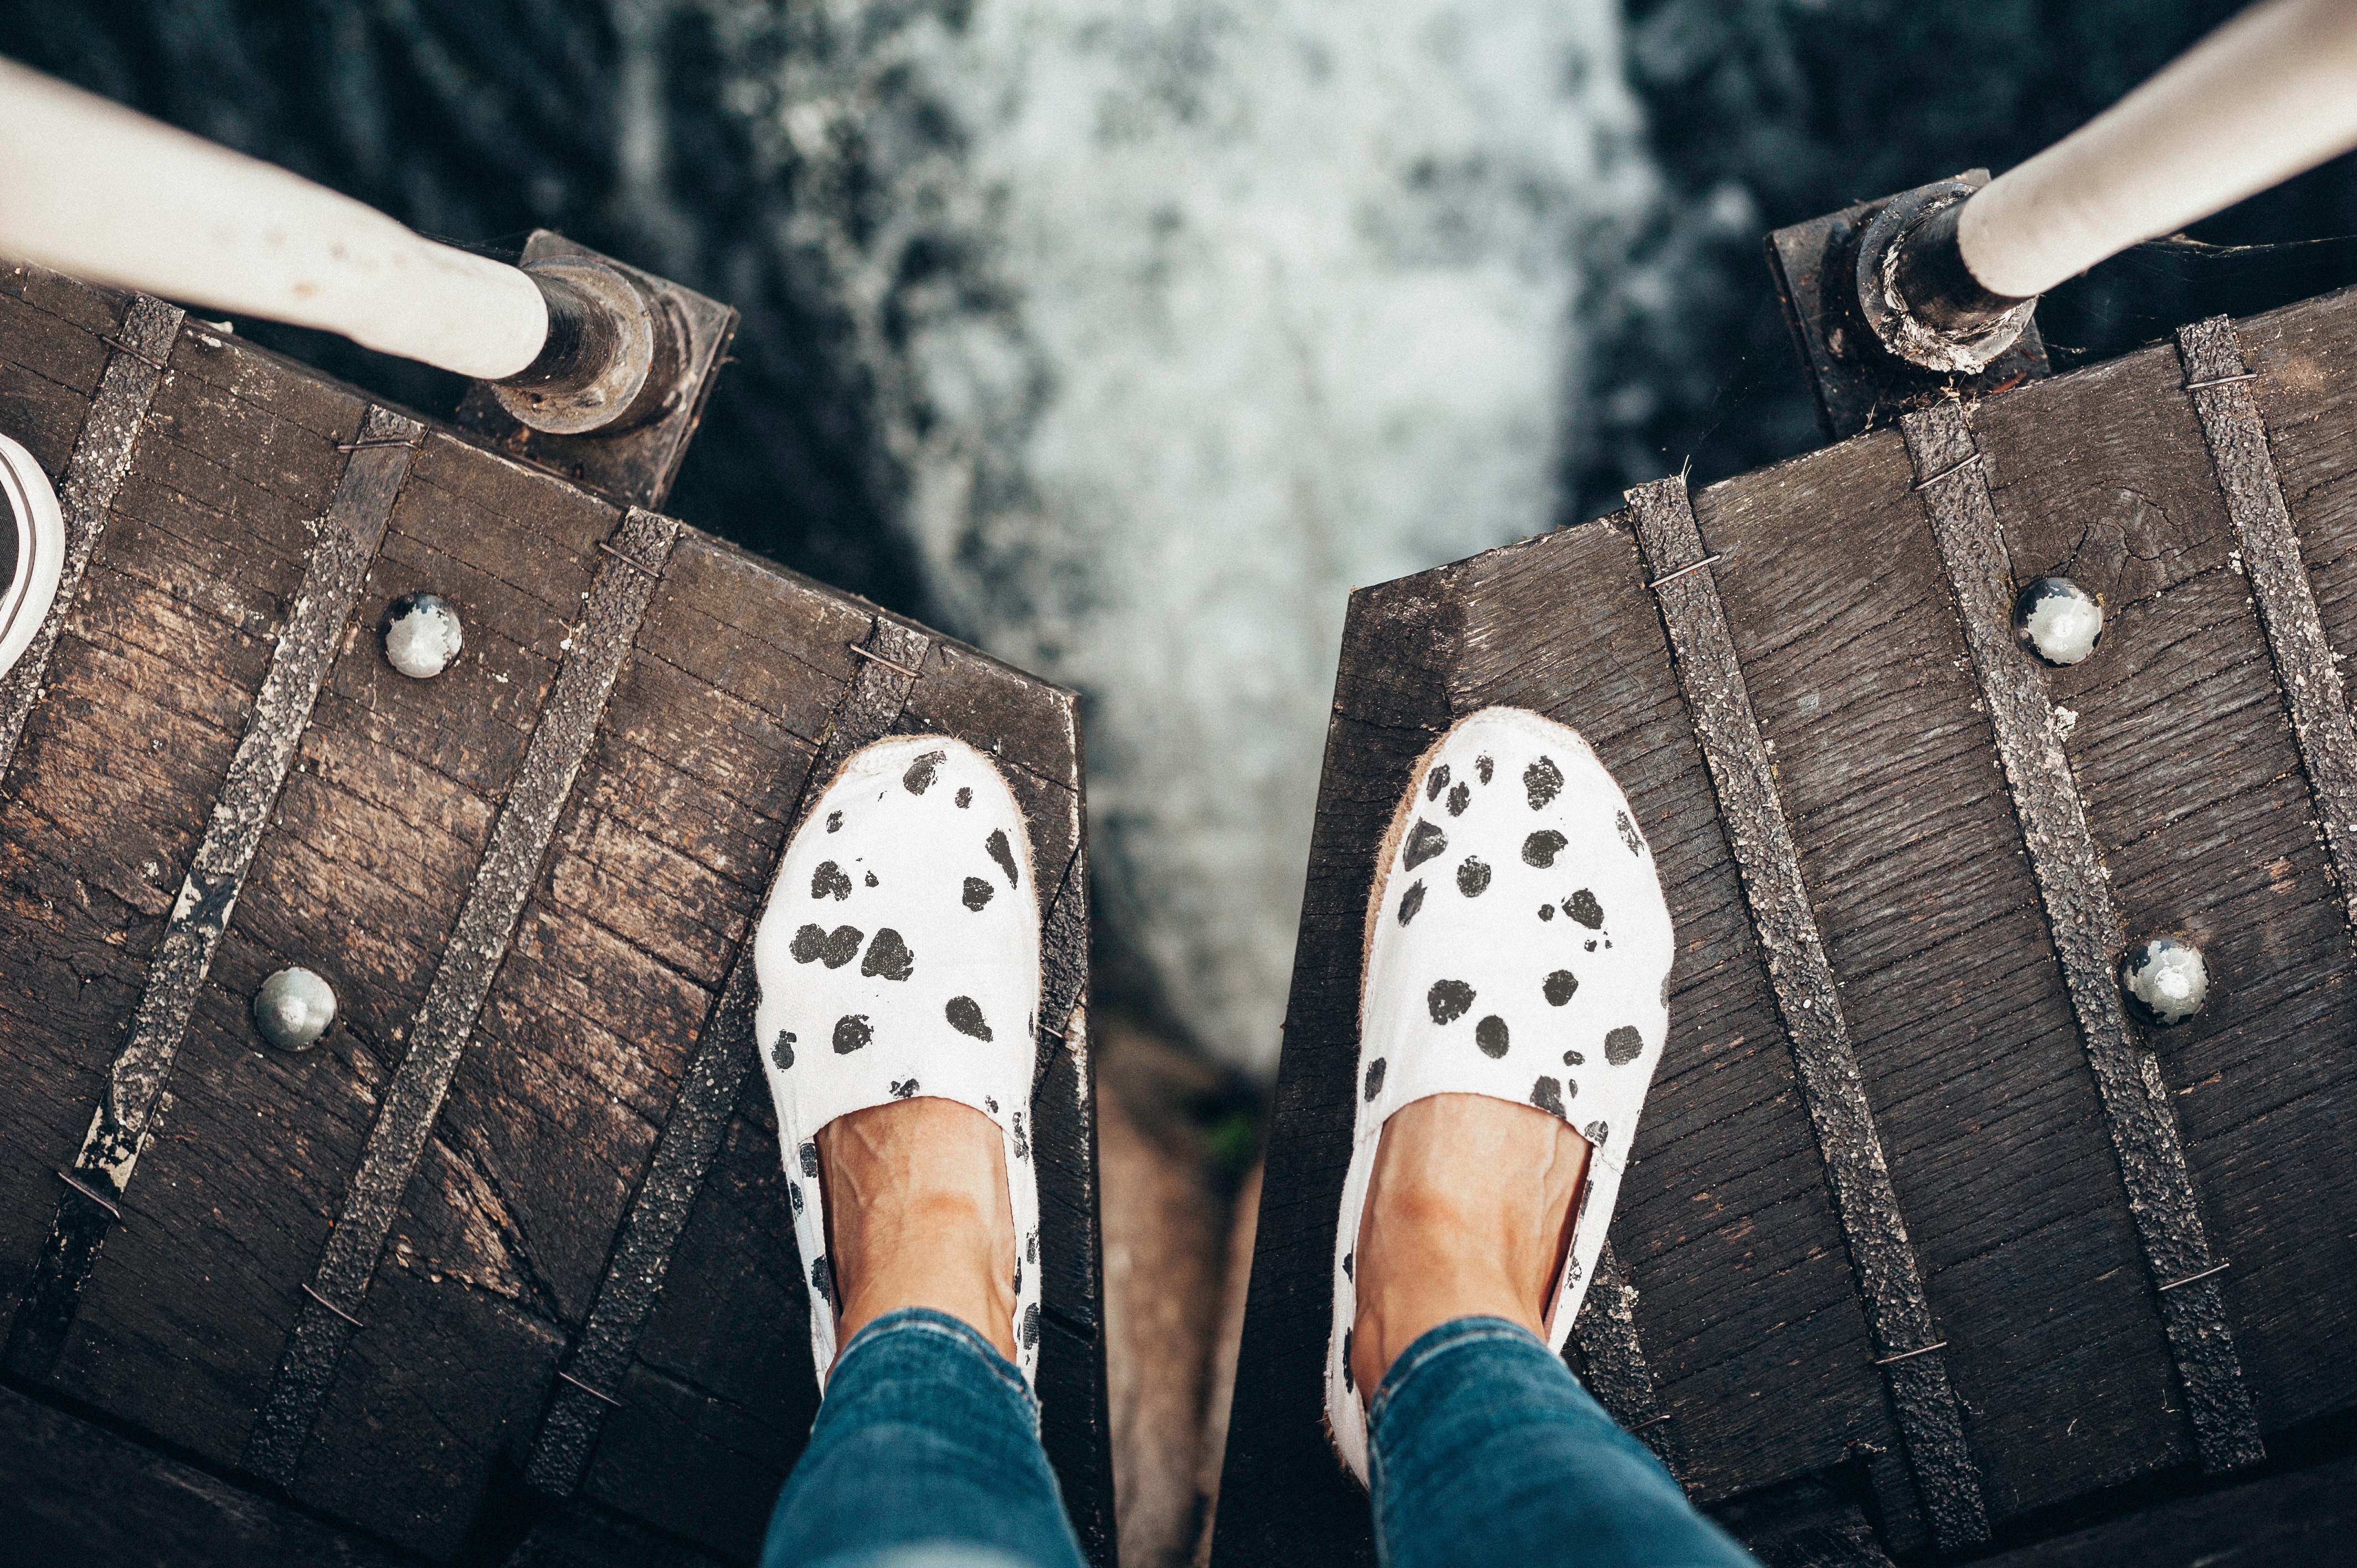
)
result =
(898, 957)
(1518, 946)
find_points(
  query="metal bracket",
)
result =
(1858, 384)
(634, 466)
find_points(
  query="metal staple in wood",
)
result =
(120, 1125)
(101, 455)
(1614, 1357)
(1898, 1313)
(477, 943)
(725, 1052)
(2086, 929)
(2305, 672)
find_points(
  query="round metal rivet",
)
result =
(424, 636)
(2165, 980)
(292, 1009)
(2058, 620)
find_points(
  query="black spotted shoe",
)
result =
(1517, 946)
(898, 957)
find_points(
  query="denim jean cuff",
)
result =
(1435, 1343)
(925, 1320)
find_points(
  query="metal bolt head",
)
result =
(424, 636)
(2165, 980)
(292, 1009)
(2058, 620)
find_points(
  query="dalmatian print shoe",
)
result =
(1518, 946)
(898, 956)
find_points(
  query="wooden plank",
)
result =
(49, 374)
(1908, 1345)
(102, 450)
(149, 695)
(2186, 755)
(2056, 494)
(1890, 778)
(595, 651)
(376, 837)
(1748, 1317)
(315, 622)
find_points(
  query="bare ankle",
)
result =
(917, 1216)
(1443, 1237)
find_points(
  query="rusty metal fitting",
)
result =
(613, 357)
(1915, 291)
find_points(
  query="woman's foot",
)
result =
(918, 1216)
(898, 957)
(1442, 1237)
(1513, 1006)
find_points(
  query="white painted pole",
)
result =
(2271, 94)
(88, 188)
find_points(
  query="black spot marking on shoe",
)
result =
(829, 879)
(1449, 999)
(794, 1196)
(1346, 1256)
(1347, 1385)
(1410, 902)
(1542, 782)
(1541, 848)
(1458, 798)
(1031, 1247)
(965, 1014)
(1546, 911)
(1473, 877)
(1018, 1276)
(1375, 1078)
(1022, 1144)
(835, 822)
(1001, 853)
(852, 1032)
(902, 1090)
(1424, 842)
(822, 1282)
(1489, 1033)
(1591, 944)
(989, 1105)
(964, 798)
(1629, 834)
(923, 772)
(1560, 987)
(1031, 1325)
(1582, 907)
(782, 1053)
(1435, 781)
(977, 892)
(888, 957)
(871, 879)
(810, 1161)
(1596, 1132)
(1623, 1045)
(834, 947)
(1547, 1095)
(1573, 1058)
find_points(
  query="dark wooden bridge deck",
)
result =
(530, 882)
(1917, 1221)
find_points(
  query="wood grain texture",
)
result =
(1963, 1031)
(2051, 502)
(1745, 1303)
(2185, 754)
(1908, 1345)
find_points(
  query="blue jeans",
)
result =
(1485, 1450)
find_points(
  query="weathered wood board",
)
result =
(530, 880)
(2128, 1250)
